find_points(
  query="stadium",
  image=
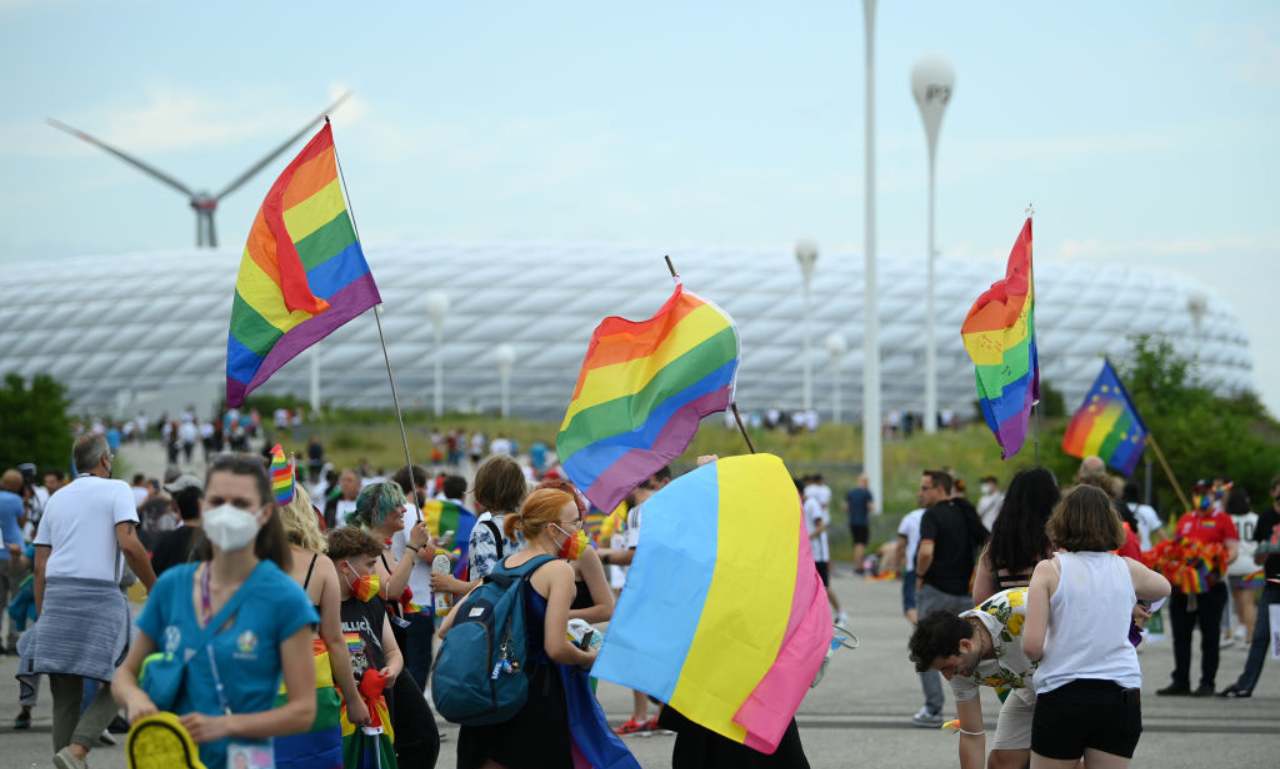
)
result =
(149, 330)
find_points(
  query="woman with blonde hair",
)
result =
(321, 747)
(560, 715)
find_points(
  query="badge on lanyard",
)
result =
(250, 755)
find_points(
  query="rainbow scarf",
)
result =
(321, 747)
(281, 476)
(302, 275)
(1000, 336)
(1107, 425)
(1191, 566)
(643, 388)
(724, 616)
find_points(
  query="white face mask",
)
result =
(230, 528)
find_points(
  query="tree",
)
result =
(1202, 433)
(34, 426)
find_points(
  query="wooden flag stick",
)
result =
(742, 428)
(1164, 463)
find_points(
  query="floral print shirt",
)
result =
(1003, 615)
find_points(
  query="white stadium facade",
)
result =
(128, 331)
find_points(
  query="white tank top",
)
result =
(1089, 617)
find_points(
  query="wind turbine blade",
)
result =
(275, 153)
(138, 164)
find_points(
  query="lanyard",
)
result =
(206, 610)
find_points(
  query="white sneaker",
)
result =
(1227, 642)
(924, 719)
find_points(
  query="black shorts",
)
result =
(824, 572)
(861, 534)
(1087, 713)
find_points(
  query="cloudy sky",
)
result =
(1145, 133)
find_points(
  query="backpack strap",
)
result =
(497, 535)
(505, 576)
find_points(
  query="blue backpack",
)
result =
(479, 673)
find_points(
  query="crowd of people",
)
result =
(1050, 606)
(307, 626)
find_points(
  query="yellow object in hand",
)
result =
(160, 741)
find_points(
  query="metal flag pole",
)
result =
(382, 340)
(732, 406)
(1037, 410)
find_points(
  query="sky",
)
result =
(1144, 133)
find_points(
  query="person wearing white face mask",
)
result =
(237, 619)
(990, 501)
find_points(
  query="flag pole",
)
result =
(382, 340)
(1164, 463)
(732, 406)
(1037, 410)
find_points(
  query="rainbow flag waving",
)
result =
(302, 275)
(1000, 335)
(281, 476)
(1107, 425)
(643, 388)
(724, 616)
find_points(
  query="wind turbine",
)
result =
(201, 202)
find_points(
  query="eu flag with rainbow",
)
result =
(1107, 425)
(643, 388)
(724, 617)
(303, 273)
(1000, 335)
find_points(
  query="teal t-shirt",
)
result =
(247, 652)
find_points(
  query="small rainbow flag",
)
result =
(643, 389)
(443, 515)
(724, 616)
(281, 476)
(302, 275)
(1107, 425)
(1000, 335)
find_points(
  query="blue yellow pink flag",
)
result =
(724, 616)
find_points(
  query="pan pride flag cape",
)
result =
(1000, 334)
(643, 388)
(1107, 425)
(724, 616)
(302, 275)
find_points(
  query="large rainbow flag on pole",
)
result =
(1107, 425)
(643, 388)
(724, 616)
(1000, 335)
(302, 275)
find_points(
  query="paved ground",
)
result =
(859, 715)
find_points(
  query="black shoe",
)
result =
(23, 721)
(1234, 691)
(1204, 690)
(1174, 690)
(118, 726)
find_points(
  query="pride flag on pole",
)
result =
(302, 275)
(643, 389)
(1000, 335)
(1107, 425)
(724, 616)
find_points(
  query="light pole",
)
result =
(932, 81)
(505, 354)
(871, 460)
(807, 257)
(438, 308)
(837, 346)
(315, 379)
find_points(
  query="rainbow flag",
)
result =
(302, 275)
(643, 389)
(1107, 425)
(281, 476)
(1000, 334)
(444, 515)
(724, 616)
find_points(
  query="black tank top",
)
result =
(582, 599)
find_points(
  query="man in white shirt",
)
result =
(908, 542)
(337, 510)
(990, 502)
(1150, 528)
(817, 519)
(140, 490)
(87, 531)
(501, 446)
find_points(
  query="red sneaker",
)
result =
(651, 725)
(632, 726)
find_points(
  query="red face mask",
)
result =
(573, 545)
